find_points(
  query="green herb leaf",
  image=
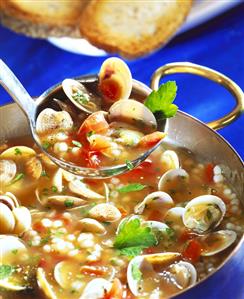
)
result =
(132, 233)
(54, 189)
(17, 151)
(5, 271)
(131, 251)
(129, 164)
(131, 188)
(77, 143)
(136, 273)
(69, 203)
(46, 145)
(160, 101)
(14, 251)
(18, 177)
(80, 97)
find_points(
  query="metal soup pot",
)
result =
(201, 140)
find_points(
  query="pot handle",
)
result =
(196, 69)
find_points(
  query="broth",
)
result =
(84, 253)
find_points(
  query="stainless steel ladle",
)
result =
(32, 108)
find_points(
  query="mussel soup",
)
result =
(149, 233)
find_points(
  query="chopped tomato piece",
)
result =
(151, 139)
(42, 263)
(93, 270)
(110, 89)
(95, 123)
(150, 250)
(209, 172)
(192, 251)
(123, 212)
(116, 291)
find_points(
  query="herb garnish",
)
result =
(133, 236)
(136, 273)
(17, 151)
(80, 98)
(44, 173)
(5, 271)
(54, 189)
(160, 101)
(131, 188)
(90, 133)
(69, 203)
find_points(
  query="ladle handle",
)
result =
(13, 86)
(196, 69)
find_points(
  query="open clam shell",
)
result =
(115, 80)
(216, 242)
(96, 289)
(80, 188)
(7, 221)
(155, 199)
(179, 274)
(44, 285)
(134, 113)
(8, 171)
(204, 213)
(22, 220)
(172, 176)
(170, 160)
(174, 216)
(80, 96)
(50, 120)
(8, 245)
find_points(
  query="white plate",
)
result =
(202, 11)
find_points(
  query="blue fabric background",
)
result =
(218, 44)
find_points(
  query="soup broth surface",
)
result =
(71, 253)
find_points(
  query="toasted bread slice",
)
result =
(132, 28)
(42, 18)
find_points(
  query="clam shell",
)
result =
(114, 72)
(7, 245)
(22, 220)
(170, 160)
(80, 188)
(105, 212)
(33, 168)
(158, 198)
(9, 201)
(44, 285)
(160, 258)
(8, 171)
(50, 120)
(134, 113)
(18, 153)
(96, 289)
(203, 213)
(61, 201)
(174, 216)
(90, 225)
(216, 242)
(7, 221)
(63, 273)
(13, 198)
(80, 96)
(58, 180)
(171, 175)
(185, 274)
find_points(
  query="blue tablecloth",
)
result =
(218, 44)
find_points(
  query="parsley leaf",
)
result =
(131, 188)
(54, 189)
(160, 101)
(5, 271)
(77, 143)
(136, 273)
(133, 236)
